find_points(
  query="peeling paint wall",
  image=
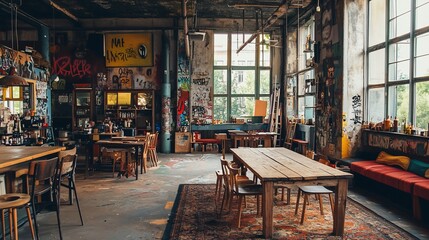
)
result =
(202, 79)
(353, 93)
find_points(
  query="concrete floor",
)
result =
(124, 208)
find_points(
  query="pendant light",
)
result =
(12, 79)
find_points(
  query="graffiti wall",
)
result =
(413, 146)
(202, 80)
(329, 120)
(183, 84)
(126, 75)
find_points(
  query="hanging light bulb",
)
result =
(318, 6)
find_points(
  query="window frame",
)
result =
(412, 81)
(229, 68)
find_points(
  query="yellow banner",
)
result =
(128, 50)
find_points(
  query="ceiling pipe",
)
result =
(23, 15)
(185, 28)
(281, 10)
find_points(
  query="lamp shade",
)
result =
(12, 79)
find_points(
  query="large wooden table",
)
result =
(239, 137)
(127, 144)
(13, 155)
(281, 165)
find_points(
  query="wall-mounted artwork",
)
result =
(128, 49)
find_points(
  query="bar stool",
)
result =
(318, 190)
(12, 202)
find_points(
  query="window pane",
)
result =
(421, 2)
(242, 106)
(301, 107)
(399, 51)
(399, 102)
(422, 19)
(264, 59)
(220, 81)
(246, 57)
(243, 82)
(376, 67)
(422, 46)
(399, 7)
(422, 105)
(220, 109)
(422, 66)
(399, 71)
(309, 107)
(220, 49)
(376, 104)
(264, 81)
(377, 25)
(301, 84)
(399, 26)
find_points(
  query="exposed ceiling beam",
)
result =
(63, 10)
(254, 5)
(281, 10)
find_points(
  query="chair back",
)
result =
(67, 165)
(67, 152)
(234, 172)
(153, 140)
(148, 140)
(226, 175)
(41, 171)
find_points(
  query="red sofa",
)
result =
(397, 178)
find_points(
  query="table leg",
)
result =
(223, 148)
(267, 141)
(267, 209)
(340, 207)
(136, 149)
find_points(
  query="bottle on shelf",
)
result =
(395, 124)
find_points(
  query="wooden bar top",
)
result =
(12, 155)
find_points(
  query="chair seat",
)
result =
(315, 189)
(250, 189)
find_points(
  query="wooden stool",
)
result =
(219, 177)
(318, 190)
(12, 202)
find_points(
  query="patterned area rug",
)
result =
(194, 216)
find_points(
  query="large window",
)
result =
(398, 57)
(239, 79)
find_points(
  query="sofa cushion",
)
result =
(401, 161)
(421, 189)
(402, 180)
(361, 166)
(419, 167)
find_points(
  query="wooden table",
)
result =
(127, 144)
(11, 156)
(281, 165)
(239, 137)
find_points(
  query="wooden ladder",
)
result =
(276, 116)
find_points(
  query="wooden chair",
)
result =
(227, 196)
(243, 190)
(290, 134)
(145, 152)
(12, 202)
(318, 191)
(42, 175)
(66, 170)
(152, 149)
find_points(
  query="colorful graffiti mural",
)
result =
(183, 86)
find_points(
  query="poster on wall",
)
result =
(41, 88)
(133, 77)
(128, 49)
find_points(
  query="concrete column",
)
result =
(166, 97)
